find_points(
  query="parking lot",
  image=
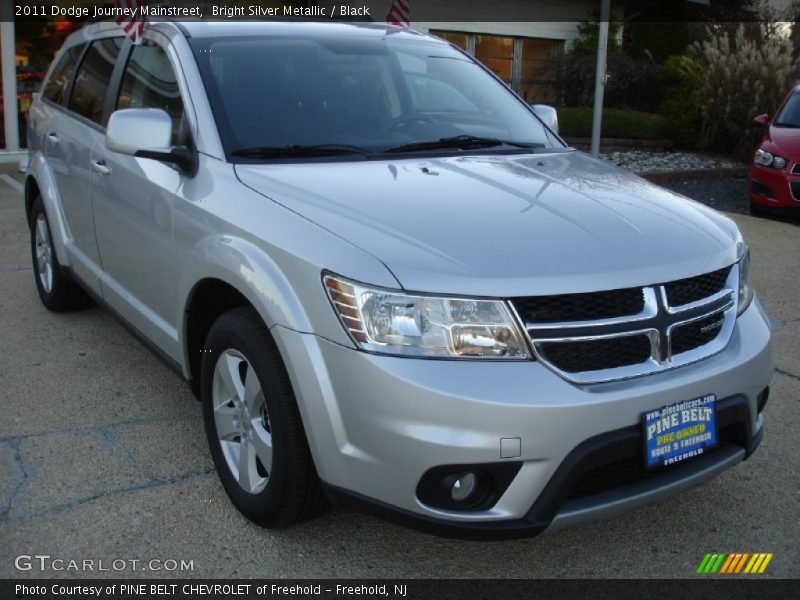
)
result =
(103, 456)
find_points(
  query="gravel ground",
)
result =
(641, 161)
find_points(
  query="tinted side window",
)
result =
(56, 88)
(94, 77)
(150, 82)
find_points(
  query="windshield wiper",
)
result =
(298, 150)
(460, 142)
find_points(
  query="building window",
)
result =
(37, 42)
(525, 64)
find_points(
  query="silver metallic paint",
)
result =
(485, 225)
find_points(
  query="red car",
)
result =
(775, 172)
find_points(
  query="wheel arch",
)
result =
(223, 273)
(40, 182)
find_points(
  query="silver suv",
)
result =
(389, 283)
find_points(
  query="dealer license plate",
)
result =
(680, 431)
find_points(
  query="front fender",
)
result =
(248, 269)
(39, 172)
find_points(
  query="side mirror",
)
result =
(761, 120)
(548, 114)
(147, 133)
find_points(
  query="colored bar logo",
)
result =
(735, 562)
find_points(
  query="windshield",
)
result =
(354, 96)
(790, 114)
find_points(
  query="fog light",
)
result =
(464, 487)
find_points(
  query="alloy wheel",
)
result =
(44, 254)
(242, 421)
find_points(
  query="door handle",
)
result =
(101, 167)
(52, 137)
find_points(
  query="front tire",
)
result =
(253, 425)
(56, 290)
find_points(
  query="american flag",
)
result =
(132, 26)
(399, 13)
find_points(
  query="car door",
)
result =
(70, 136)
(133, 202)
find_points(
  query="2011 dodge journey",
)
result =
(390, 283)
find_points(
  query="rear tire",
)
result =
(56, 290)
(253, 425)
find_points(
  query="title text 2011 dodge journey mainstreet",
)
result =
(388, 281)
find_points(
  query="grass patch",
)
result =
(623, 124)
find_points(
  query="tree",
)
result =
(589, 36)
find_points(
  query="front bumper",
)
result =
(774, 188)
(377, 424)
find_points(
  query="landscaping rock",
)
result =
(640, 161)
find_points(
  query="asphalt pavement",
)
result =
(103, 457)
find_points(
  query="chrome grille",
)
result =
(581, 307)
(676, 323)
(696, 333)
(796, 169)
(686, 291)
(598, 354)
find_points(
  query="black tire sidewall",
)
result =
(56, 298)
(231, 331)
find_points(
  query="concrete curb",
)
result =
(622, 144)
(678, 176)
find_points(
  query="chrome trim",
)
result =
(665, 320)
(796, 169)
(649, 311)
(720, 295)
(713, 347)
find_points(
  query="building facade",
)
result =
(521, 52)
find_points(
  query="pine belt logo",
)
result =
(734, 563)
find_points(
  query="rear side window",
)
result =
(94, 77)
(56, 88)
(150, 82)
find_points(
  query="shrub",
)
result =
(623, 124)
(729, 79)
(682, 112)
(633, 84)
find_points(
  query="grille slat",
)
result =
(596, 355)
(581, 307)
(686, 291)
(690, 336)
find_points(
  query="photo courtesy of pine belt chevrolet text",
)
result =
(388, 280)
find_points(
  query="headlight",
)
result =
(390, 322)
(745, 289)
(767, 159)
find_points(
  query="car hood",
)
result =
(786, 140)
(505, 225)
